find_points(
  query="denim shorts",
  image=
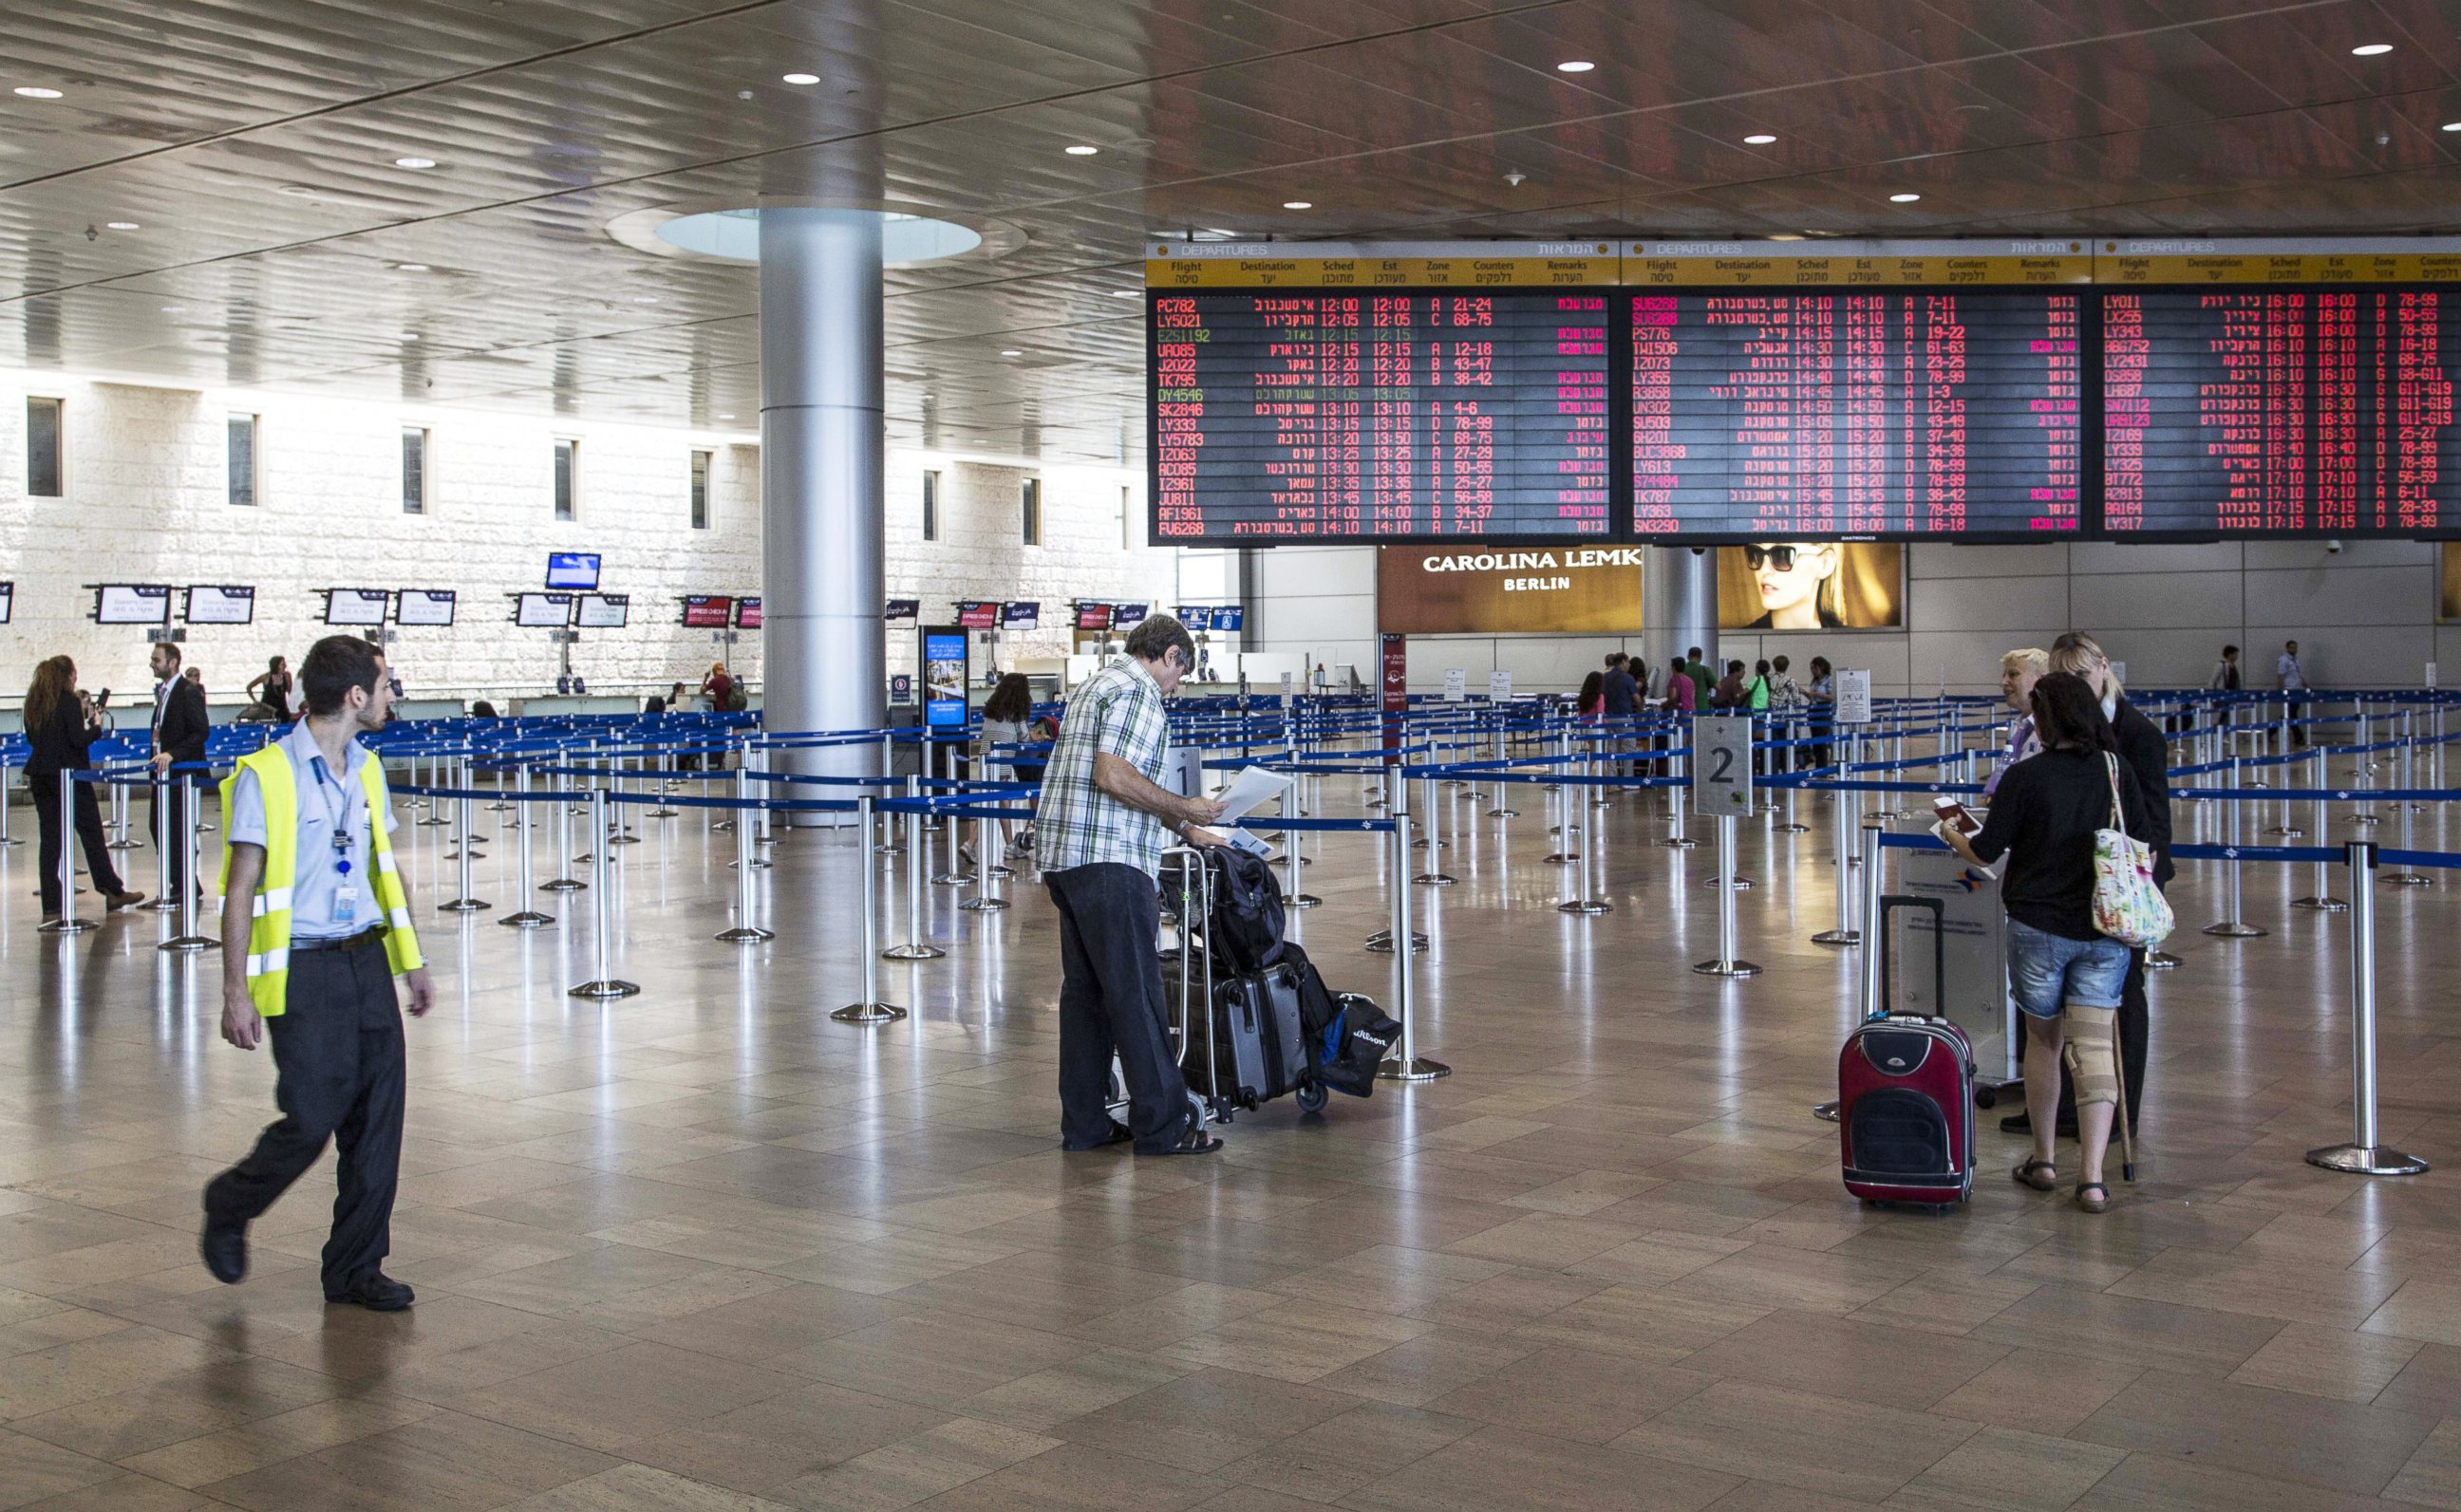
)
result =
(2047, 972)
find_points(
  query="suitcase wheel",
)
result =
(1987, 1097)
(1311, 1098)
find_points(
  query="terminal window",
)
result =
(242, 459)
(700, 490)
(43, 445)
(1032, 496)
(568, 476)
(930, 506)
(414, 470)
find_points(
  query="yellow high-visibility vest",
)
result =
(269, 932)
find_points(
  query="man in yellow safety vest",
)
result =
(315, 927)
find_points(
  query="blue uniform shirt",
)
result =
(322, 798)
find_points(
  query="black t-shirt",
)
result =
(2043, 817)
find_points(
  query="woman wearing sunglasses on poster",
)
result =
(1798, 584)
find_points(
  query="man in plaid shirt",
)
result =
(1098, 838)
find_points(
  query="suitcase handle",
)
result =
(1938, 912)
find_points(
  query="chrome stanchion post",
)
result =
(68, 922)
(463, 902)
(1726, 965)
(871, 1009)
(2321, 900)
(1679, 766)
(8, 839)
(1793, 765)
(1292, 897)
(605, 985)
(1404, 1064)
(158, 813)
(2408, 812)
(744, 930)
(1396, 803)
(1874, 887)
(528, 918)
(1434, 876)
(2364, 1154)
(986, 898)
(1839, 839)
(188, 940)
(119, 841)
(565, 881)
(918, 855)
(2233, 927)
(1581, 903)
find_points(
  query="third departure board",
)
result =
(1420, 397)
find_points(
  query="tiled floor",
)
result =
(705, 1248)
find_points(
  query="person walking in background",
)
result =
(60, 725)
(1099, 845)
(180, 731)
(315, 927)
(2019, 670)
(2291, 679)
(2065, 974)
(2226, 677)
(271, 687)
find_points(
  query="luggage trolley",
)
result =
(1187, 889)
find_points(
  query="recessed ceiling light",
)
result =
(1128, 293)
(173, 309)
(2371, 50)
(645, 299)
(413, 162)
(1574, 66)
(121, 225)
(1903, 199)
(1758, 138)
(411, 267)
(2450, 125)
(1784, 236)
(726, 416)
(37, 92)
(802, 78)
(1012, 353)
(1299, 205)
(407, 335)
(1081, 150)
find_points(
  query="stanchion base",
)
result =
(67, 927)
(1418, 1068)
(888, 850)
(563, 885)
(117, 844)
(189, 944)
(999, 871)
(2162, 960)
(527, 919)
(1382, 942)
(744, 934)
(1838, 937)
(2359, 1159)
(665, 813)
(757, 865)
(1680, 842)
(1303, 899)
(501, 808)
(166, 904)
(869, 1014)
(2233, 929)
(1586, 905)
(2406, 879)
(724, 826)
(455, 855)
(1726, 969)
(605, 990)
(912, 952)
(1742, 883)
(623, 840)
(1794, 829)
(948, 878)
(1826, 1112)
(2366, 818)
(433, 820)
(2321, 905)
(1434, 878)
(990, 904)
(1561, 858)
(2286, 831)
(1504, 813)
(463, 905)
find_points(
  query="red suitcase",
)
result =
(1905, 1092)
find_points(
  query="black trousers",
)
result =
(169, 807)
(337, 1057)
(1111, 999)
(46, 792)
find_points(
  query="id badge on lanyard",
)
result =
(346, 890)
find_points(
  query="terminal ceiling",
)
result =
(254, 144)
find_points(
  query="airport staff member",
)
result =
(180, 731)
(1099, 842)
(315, 927)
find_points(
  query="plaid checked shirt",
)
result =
(1117, 712)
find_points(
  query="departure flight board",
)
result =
(2276, 389)
(1872, 390)
(1385, 398)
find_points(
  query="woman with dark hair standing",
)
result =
(60, 730)
(2065, 974)
(1591, 703)
(271, 687)
(1008, 719)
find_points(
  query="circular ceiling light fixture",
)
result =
(1299, 205)
(1758, 138)
(802, 78)
(35, 91)
(1578, 65)
(121, 225)
(727, 231)
(1903, 199)
(413, 162)
(2371, 50)
(1081, 150)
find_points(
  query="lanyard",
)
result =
(341, 821)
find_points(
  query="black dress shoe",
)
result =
(226, 1253)
(378, 1292)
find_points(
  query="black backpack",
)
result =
(1246, 931)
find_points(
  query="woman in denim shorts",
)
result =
(2065, 974)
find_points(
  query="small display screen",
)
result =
(425, 607)
(944, 679)
(976, 614)
(1021, 616)
(707, 612)
(356, 605)
(1093, 616)
(903, 610)
(572, 569)
(221, 606)
(604, 611)
(747, 614)
(544, 611)
(132, 604)
(7, 601)
(1123, 615)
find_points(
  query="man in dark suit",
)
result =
(180, 729)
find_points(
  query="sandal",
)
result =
(2098, 1203)
(1119, 1134)
(1193, 1142)
(2040, 1175)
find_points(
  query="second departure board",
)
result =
(1361, 407)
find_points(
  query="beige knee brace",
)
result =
(2091, 1051)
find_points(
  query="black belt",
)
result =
(348, 942)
